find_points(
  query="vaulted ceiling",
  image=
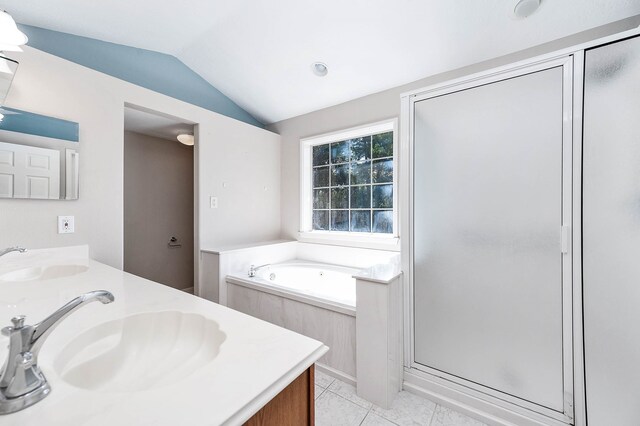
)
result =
(259, 53)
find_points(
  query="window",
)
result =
(349, 182)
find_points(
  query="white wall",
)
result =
(245, 157)
(383, 105)
(158, 204)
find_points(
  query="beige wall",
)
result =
(244, 157)
(158, 204)
(383, 105)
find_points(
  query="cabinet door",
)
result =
(611, 233)
(488, 209)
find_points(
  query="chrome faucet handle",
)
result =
(21, 381)
(18, 321)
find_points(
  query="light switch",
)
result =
(213, 202)
(66, 224)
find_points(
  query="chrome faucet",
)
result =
(12, 249)
(22, 383)
(253, 269)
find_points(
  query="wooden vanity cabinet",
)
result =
(294, 406)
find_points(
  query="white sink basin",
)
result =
(140, 352)
(44, 273)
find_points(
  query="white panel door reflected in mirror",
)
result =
(39, 156)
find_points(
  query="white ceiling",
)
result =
(159, 126)
(259, 52)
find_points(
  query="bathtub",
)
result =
(314, 299)
(327, 286)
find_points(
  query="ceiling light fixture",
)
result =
(525, 8)
(9, 48)
(186, 139)
(10, 35)
(320, 69)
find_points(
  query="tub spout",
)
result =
(253, 269)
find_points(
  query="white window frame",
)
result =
(355, 239)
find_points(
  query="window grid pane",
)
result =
(345, 174)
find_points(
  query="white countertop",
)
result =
(381, 273)
(256, 361)
(238, 247)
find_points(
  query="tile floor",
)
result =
(338, 405)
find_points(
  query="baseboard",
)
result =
(472, 406)
(336, 374)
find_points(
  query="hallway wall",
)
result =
(158, 204)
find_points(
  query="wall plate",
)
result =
(66, 224)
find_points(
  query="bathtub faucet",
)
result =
(253, 269)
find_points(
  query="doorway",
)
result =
(159, 198)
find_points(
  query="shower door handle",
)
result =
(566, 234)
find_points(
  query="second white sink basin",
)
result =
(43, 273)
(140, 352)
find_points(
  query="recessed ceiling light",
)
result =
(186, 139)
(320, 69)
(525, 8)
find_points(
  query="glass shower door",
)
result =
(487, 219)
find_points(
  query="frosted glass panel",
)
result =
(487, 218)
(611, 233)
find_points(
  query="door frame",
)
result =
(529, 409)
(196, 185)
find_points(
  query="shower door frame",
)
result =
(571, 65)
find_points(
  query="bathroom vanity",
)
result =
(155, 355)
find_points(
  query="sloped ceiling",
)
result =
(259, 53)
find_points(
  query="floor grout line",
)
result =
(433, 415)
(365, 417)
(321, 393)
(371, 409)
(351, 402)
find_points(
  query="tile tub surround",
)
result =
(256, 361)
(326, 321)
(217, 263)
(338, 405)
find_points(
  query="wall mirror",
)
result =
(39, 156)
(8, 69)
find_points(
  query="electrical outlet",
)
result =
(213, 202)
(66, 224)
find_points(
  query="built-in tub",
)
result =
(314, 299)
(326, 286)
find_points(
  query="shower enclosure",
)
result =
(611, 233)
(491, 211)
